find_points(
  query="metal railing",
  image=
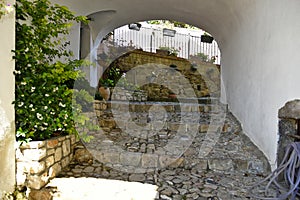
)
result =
(150, 39)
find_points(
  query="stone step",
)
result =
(122, 106)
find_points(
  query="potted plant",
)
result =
(206, 38)
(164, 51)
(167, 51)
(104, 89)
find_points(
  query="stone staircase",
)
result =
(139, 137)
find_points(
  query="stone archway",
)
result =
(250, 65)
(248, 49)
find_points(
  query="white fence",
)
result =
(150, 39)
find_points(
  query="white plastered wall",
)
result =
(7, 128)
(260, 71)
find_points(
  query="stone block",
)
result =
(83, 156)
(33, 145)
(44, 194)
(37, 181)
(66, 147)
(220, 164)
(186, 108)
(52, 143)
(73, 140)
(50, 152)
(256, 167)
(49, 161)
(32, 154)
(58, 154)
(111, 157)
(60, 139)
(65, 162)
(241, 164)
(130, 159)
(165, 161)
(149, 160)
(173, 126)
(36, 167)
(204, 128)
(290, 110)
(54, 170)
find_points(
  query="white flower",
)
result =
(52, 113)
(66, 116)
(23, 83)
(45, 107)
(18, 72)
(35, 126)
(30, 106)
(55, 89)
(26, 49)
(46, 95)
(46, 124)
(59, 129)
(62, 105)
(21, 104)
(32, 89)
(32, 109)
(39, 116)
(9, 8)
(29, 65)
(22, 95)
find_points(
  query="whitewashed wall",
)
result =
(7, 116)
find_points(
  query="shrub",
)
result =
(44, 67)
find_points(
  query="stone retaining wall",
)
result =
(39, 161)
(202, 77)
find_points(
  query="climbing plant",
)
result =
(5, 8)
(44, 70)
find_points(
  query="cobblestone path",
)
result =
(123, 151)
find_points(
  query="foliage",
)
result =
(84, 99)
(205, 58)
(113, 51)
(172, 23)
(110, 77)
(44, 67)
(5, 8)
(172, 50)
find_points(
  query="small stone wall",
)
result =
(124, 95)
(39, 161)
(289, 115)
(202, 77)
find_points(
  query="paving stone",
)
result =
(220, 174)
(137, 177)
(165, 197)
(88, 169)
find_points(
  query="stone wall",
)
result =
(39, 161)
(140, 139)
(202, 77)
(289, 126)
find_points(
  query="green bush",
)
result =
(44, 67)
